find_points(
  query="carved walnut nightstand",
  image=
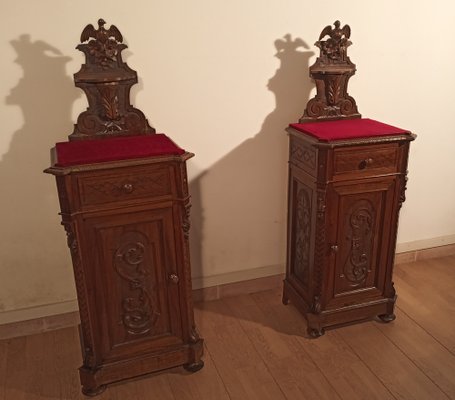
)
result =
(347, 178)
(124, 202)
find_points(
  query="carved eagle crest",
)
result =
(334, 48)
(337, 33)
(101, 34)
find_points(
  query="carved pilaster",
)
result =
(316, 305)
(320, 247)
(87, 342)
(183, 174)
(321, 194)
(186, 225)
(404, 181)
(186, 222)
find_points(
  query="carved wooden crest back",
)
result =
(106, 81)
(331, 72)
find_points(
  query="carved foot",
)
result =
(93, 391)
(387, 317)
(194, 367)
(315, 333)
(285, 300)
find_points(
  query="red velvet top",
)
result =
(118, 148)
(347, 129)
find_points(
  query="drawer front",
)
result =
(365, 161)
(130, 185)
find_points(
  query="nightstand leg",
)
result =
(387, 317)
(194, 367)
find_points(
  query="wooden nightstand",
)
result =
(124, 201)
(347, 178)
(344, 198)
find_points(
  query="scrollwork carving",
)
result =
(360, 234)
(139, 310)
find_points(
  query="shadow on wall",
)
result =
(239, 204)
(33, 253)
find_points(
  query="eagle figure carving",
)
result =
(101, 34)
(334, 48)
(104, 46)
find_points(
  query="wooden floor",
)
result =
(256, 348)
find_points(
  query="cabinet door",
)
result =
(131, 273)
(361, 224)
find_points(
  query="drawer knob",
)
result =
(364, 163)
(334, 248)
(127, 188)
(174, 278)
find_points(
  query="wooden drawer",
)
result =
(133, 184)
(365, 161)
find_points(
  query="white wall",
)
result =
(210, 79)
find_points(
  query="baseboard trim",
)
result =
(424, 254)
(39, 325)
(225, 285)
(68, 319)
(425, 244)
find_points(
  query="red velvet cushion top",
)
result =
(119, 148)
(348, 129)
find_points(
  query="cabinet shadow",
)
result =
(246, 191)
(28, 205)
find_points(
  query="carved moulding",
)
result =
(106, 81)
(331, 73)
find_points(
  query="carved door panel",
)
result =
(301, 232)
(361, 215)
(132, 282)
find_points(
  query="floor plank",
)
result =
(395, 370)
(151, 386)
(16, 369)
(283, 354)
(155, 386)
(241, 368)
(346, 372)
(430, 356)
(429, 301)
(205, 384)
(67, 359)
